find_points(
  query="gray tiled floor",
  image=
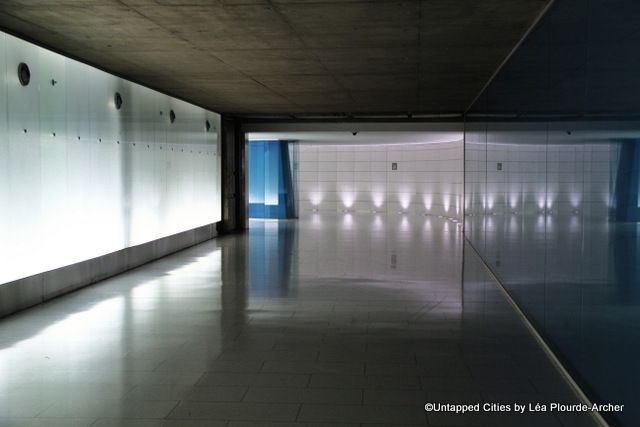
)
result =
(347, 320)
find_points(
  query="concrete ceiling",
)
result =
(289, 56)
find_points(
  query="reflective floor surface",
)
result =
(576, 276)
(341, 320)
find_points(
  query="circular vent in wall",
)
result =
(24, 74)
(117, 99)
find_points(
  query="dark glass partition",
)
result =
(552, 166)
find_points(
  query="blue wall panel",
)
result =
(270, 182)
(626, 194)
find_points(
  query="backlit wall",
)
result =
(80, 177)
(414, 178)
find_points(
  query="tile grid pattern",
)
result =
(530, 178)
(428, 178)
(190, 341)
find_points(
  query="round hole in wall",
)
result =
(172, 116)
(24, 74)
(207, 125)
(117, 99)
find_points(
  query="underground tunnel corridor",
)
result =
(319, 213)
(333, 319)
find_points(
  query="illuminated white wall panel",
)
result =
(360, 178)
(80, 178)
(538, 177)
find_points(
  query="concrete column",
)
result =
(234, 177)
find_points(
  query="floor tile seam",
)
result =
(298, 412)
(168, 415)
(244, 395)
(45, 409)
(200, 378)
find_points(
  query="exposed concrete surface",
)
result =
(288, 56)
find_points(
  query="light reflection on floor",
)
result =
(576, 276)
(346, 320)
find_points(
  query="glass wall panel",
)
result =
(551, 189)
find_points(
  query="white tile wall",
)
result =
(556, 177)
(359, 178)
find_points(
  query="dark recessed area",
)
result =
(207, 125)
(24, 74)
(117, 99)
(172, 116)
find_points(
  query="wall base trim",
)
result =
(29, 291)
